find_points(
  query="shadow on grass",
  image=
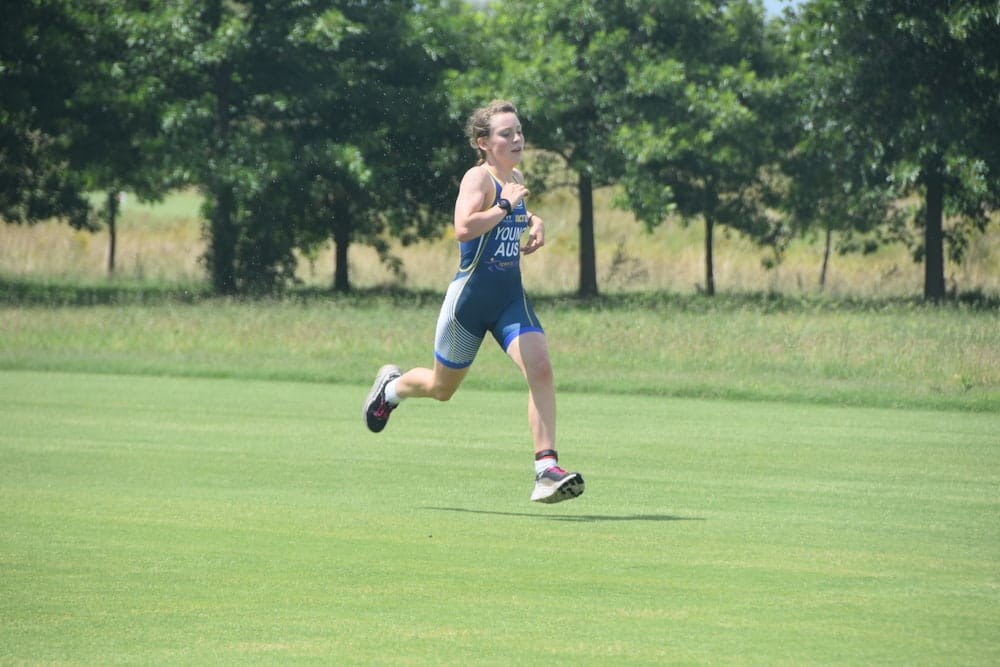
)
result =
(586, 518)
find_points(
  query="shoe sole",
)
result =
(380, 381)
(571, 487)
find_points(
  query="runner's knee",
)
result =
(540, 371)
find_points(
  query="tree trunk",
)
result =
(112, 229)
(934, 230)
(221, 257)
(341, 243)
(709, 260)
(222, 241)
(588, 254)
(826, 258)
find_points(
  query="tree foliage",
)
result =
(912, 92)
(44, 64)
(701, 120)
(565, 66)
(302, 122)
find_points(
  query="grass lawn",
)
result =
(192, 520)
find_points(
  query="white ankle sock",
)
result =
(546, 462)
(391, 396)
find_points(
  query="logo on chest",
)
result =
(508, 239)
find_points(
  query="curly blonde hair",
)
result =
(478, 125)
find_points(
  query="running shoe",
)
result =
(376, 409)
(556, 485)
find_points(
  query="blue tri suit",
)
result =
(486, 293)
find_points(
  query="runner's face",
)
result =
(506, 141)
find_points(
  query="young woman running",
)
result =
(486, 295)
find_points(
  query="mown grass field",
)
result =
(184, 520)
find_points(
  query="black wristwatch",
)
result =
(505, 205)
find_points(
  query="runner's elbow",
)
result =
(464, 233)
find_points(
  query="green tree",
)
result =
(303, 122)
(920, 81)
(75, 120)
(564, 64)
(232, 79)
(188, 49)
(115, 141)
(831, 188)
(701, 121)
(391, 166)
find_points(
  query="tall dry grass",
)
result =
(163, 242)
(159, 242)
